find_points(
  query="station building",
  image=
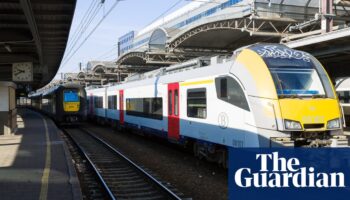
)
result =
(197, 11)
(213, 27)
(175, 21)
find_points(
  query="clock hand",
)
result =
(19, 72)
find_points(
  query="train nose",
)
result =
(310, 114)
(72, 118)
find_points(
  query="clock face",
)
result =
(22, 72)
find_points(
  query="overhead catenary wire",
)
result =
(82, 22)
(107, 54)
(112, 52)
(92, 31)
(84, 28)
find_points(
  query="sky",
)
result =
(128, 15)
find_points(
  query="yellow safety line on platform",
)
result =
(46, 173)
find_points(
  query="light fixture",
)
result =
(8, 48)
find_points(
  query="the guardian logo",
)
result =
(278, 172)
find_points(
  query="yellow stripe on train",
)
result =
(197, 82)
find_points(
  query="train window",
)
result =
(157, 107)
(176, 102)
(197, 103)
(170, 104)
(145, 107)
(146, 102)
(112, 102)
(223, 88)
(344, 96)
(98, 102)
(228, 90)
(70, 96)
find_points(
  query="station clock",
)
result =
(22, 72)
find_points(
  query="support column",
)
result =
(327, 15)
(8, 111)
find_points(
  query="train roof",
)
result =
(343, 84)
(265, 50)
(206, 66)
(35, 95)
(54, 88)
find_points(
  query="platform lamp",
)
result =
(8, 48)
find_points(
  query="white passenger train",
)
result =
(343, 90)
(264, 95)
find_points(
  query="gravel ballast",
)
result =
(195, 178)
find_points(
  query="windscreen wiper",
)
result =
(295, 96)
(314, 96)
(292, 96)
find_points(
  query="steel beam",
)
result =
(28, 12)
(343, 33)
(332, 50)
(327, 11)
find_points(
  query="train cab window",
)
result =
(197, 103)
(112, 102)
(70, 96)
(176, 102)
(228, 90)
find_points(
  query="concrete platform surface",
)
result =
(34, 163)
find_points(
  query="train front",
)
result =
(72, 105)
(296, 93)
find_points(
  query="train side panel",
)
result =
(207, 118)
(145, 108)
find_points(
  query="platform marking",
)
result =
(46, 173)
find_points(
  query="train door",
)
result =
(91, 104)
(173, 111)
(121, 107)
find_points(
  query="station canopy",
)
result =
(36, 32)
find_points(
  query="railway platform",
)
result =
(34, 162)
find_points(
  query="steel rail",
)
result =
(81, 149)
(154, 180)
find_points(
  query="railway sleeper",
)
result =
(144, 198)
(151, 194)
(122, 177)
(117, 175)
(136, 190)
(137, 185)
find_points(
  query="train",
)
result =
(264, 95)
(65, 103)
(342, 87)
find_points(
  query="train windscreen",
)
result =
(295, 73)
(70, 96)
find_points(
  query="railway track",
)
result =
(120, 177)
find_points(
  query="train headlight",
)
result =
(333, 124)
(292, 125)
